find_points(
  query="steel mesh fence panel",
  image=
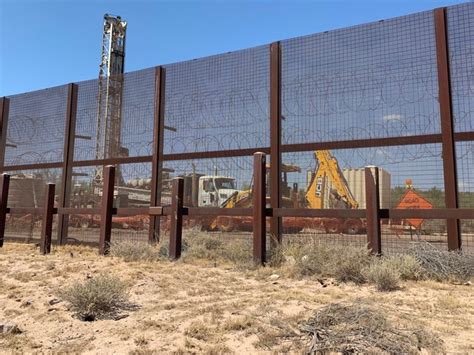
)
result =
(218, 103)
(415, 170)
(134, 133)
(212, 183)
(371, 81)
(460, 26)
(86, 120)
(132, 189)
(465, 175)
(27, 189)
(36, 125)
(137, 113)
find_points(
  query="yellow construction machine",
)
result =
(327, 189)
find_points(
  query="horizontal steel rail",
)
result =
(393, 213)
(285, 148)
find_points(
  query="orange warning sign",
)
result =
(413, 200)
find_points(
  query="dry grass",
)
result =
(383, 275)
(215, 304)
(442, 265)
(131, 251)
(360, 328)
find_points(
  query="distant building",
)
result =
(356, 182)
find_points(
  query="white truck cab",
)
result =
(214, 190)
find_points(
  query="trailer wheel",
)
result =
(226, 224)
(352, 226)
(332, 227)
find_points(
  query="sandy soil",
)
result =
(199, 307)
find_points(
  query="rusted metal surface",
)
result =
(176, 226)
(4, 186)
(106, 210)
(157, 163)
(259, 202)
(47, 225)
(319, 213)
(66, 179)
(435, 213)
(363, 143)
(373, 210)
(217, 211)
(275, 138)
(4, 109)
(33, 166)
(445, 105)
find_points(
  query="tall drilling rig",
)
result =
(109, 110)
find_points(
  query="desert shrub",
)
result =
(443, 265)
(239, 252)
(361, 328)
(408, 267)
(345, 263)
(203, 246)
(101, 296)
(382, 274)
(310, 260)
(275, 256)
(135, 251)
(208, 247)
(350, 262)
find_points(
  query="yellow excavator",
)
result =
(327, 189)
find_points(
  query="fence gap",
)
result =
(373, 210)
(275, 140)
(447, 131)
(259, 206)
(106, 209)
(157, 160)
(176, 218)
(68, 156)
(47, 226)
(5, 185)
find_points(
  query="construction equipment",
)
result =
(327, 189)
(109, 99)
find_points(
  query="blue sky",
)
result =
(49, 43)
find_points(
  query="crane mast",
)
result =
(109, 110)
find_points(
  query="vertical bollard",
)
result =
(259, 205)
(106, 209)
(373, 210)
(5, 184)
(176, 218)
(47, 227)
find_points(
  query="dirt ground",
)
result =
(200, 307)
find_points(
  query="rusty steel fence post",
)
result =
(47, 226)
(4, 110)
(68, 157)
(447, 130)
(275, 140)
(157, 162)
(373, 210)
(5, 185)
(176, 218)
(106, 209)
(259, 206)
